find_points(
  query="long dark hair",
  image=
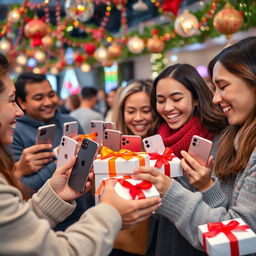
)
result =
(209, 114)
(240, 60)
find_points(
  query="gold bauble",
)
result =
(114, 51)
(155, 45)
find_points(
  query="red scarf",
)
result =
(180, 139)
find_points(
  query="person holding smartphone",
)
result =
(39, 102)
(26, 227)
(231, 194)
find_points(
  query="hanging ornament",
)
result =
(171, 6)
(135, 45)
(85, 67)
(228, 20)
(114, 51)
(40, 56)
(140, 6)
(21, 60)
(5, 46)
(79, 10)
(155, 44)
(47, 41)
(14, 16)
(107, 63)
(89, 48)
(101, 54)
(186, 24)
(36, 29)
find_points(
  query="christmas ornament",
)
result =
(107, 63)
(114, 51)
(140, 6)
(89, 48)
(47, 41)
(135, 45)
(101, 54)
(14, 16)
(85, 67)
(5, 46)
(40, 56)
(171, 6)
(36, 29)
(228, 21)
(81, 10)
(186, 24)
(21, 60)
(155, 45)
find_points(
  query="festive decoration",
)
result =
(47, 41)
(140, 6)
(155, 44)
(171, 6)
(114, 51)
(89, 48)
(228, 20)
(5, 46)
(158, 63)
(40, 56)
(101, 54)
(186, 24)
(79, 10)
(135, 45)
(36, 29)
(85, 67)
(22, 60)
(14, 15)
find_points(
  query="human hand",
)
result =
(149, 173)
(131, 211)
(59, 182)
(33, 159)
(199, 176)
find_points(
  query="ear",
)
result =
(22, 103)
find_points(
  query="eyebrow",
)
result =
(12, 95)
(130, 107)
(172, 94)
(217, 81)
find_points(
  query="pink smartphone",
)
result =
(83, 165)
(70, 129)
(97, 127)
(67, 150)
(108, 125)
(45, 134)
(200, 149)
(112, 139)
(154, 144)
(131, 142)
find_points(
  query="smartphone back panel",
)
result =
(112, 139)
(70, 129)
(131, 142)
(154, 144)
(45, 134)
(97, 127)
(83, 164)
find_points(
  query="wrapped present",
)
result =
(227, 238)
(91, 136)
(131, 189)
(120, 163)
(167, 163)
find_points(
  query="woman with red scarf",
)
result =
(183, 105)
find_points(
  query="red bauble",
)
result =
(36, 29)
(89, 48)
(171, 6)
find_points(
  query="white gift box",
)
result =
(172, 169)
(122, 167)
(219, 245)
(124, 192)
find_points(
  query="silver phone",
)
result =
(45, 134)
(70, 129)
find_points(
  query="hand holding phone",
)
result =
(45, 134)
(154, 144)
(83, 164)
(200, 149)
(112, 139)
(70, 129)
(67, 150)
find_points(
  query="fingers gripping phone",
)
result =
(154, 144)
(67, 150)
(97, 127)
(83, 164)
(70, 129)
(45, 134)
(131, 142)
(112, 139)
(200, 149)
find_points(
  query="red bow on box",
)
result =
(136, 190)
(218, 227)
(163, 159)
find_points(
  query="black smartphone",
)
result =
(83, 164)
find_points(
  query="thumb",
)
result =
(63, 169)
(210, 162)
(109, 184)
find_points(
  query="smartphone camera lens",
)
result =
(123, 143)
(106, 137)
(194, 144)
(43, 132)
(147, 146)
(62, 143)
(123, 139)
(127, 142)
(195, 140)
(146, 141)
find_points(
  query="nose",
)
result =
(217, 96)
(138, 116)
(19, 111)
(168, 106)
(47, 101)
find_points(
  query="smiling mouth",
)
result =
(173, 117)
(140, 127)
(226, 109)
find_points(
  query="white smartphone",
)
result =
(97, 127)
(154, 144)
(70, 129)
(83, 165)
(200, 149)
(112, 139)
(45, 134)
(67, 150)
(108, 125)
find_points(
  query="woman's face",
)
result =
(9, 111)
(174, 102)
(235, 97)
(137, 113)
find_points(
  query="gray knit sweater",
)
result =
(234, 199)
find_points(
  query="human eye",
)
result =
(177, 99)
(51, 94)
(159, 100)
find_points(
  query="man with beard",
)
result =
(39, 102)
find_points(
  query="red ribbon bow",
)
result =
(136, 190)
(218, 227)
(163, 159)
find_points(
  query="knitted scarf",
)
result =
(180, 139)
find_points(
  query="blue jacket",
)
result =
(25, 136)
